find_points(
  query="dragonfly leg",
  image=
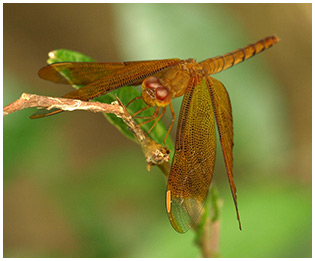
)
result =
(155, 114)
(172, 123)
(134, 99)
(147, 117)
(163, 112)
(144, 117)
(139, 111)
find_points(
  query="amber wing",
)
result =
(194, 157)
(78, 72)
(223, 113)
(82, 73)
(99, 78)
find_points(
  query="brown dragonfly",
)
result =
(205, 102)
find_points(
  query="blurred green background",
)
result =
(76, 187)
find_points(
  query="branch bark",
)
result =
(155, 153)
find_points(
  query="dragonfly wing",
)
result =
(127, 73)
(82, 73)
(223, 112)
(133, 73)
(194, 158)
(79, 73)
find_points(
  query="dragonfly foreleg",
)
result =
(139, 111)
(134, 99)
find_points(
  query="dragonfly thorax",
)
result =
(177, 78)
(154, 93)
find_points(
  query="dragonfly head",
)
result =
(154, 93)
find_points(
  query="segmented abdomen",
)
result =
(223, 62)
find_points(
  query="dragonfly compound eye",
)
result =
(162, 93)
(152, 83)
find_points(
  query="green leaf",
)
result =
(64, 55)
(125, 94)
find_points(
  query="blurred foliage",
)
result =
(75, 187)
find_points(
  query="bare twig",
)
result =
(155, 153)
(32, 100)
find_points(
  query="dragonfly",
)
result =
(205, 104)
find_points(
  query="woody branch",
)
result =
(155, 153)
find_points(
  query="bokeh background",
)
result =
(76, 187)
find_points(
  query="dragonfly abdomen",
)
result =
(223, 62)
